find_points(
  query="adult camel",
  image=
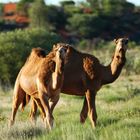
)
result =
(41, 78)
(84, 76)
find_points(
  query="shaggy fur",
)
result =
(84, 76)
(37, 78)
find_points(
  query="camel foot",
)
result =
(82, 119)
(33, 120)
(11, 123)
(93, 125)
(49, 124)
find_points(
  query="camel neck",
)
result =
(59, 66)
(111, 72)
(57, 75)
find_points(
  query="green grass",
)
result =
(118, 108)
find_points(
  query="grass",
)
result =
(118, 109)
(118, 116)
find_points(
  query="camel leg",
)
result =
(53, 101)
(41, 108)
(90, 96)
(33, 112)
(45, 104)
(84, 111)
(42, 94)
(19, 95)
(44, 101)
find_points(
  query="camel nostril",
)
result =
(126, 41)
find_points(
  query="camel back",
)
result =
(35, 59)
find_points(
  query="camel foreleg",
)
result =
(84, 111)
(90, 96)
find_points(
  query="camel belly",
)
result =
(29, 85)
(73, 89)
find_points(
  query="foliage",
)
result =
(1, 9)
(23, 7)
(15, 47)
(86, 25)
(56, 17)
(68, 2)
(37, 14)
(105, 19)
(117, 7)
(70, 10)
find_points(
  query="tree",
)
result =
(37, 14)
(68, 2)
(1, 9)
(87, 25)
(15, 46)
(96, 5)
(23, 6)
(56, 17)
(117, 7)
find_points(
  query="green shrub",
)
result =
(132, 65)
(15, 47)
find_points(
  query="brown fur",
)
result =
(84, 76)
(35, 55)
(36, 80)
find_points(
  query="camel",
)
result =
(84, 76)
(41, 77)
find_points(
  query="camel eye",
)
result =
(125, 42)
(65, 50)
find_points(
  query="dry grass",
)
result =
(118, 116)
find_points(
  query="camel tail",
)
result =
(25, 101)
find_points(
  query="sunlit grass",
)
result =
(118, 116)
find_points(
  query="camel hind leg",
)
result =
(18, 97)
(33, 112)
(37, 103)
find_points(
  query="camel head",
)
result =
(121, 44)
(61, 49)
(61, 53)
(60, 57)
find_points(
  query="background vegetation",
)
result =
(15, 47)
(90, 27)
(117, 108)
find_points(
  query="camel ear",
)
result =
(55, 47)
(127, 39)
(115, 40)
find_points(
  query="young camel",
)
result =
(84, 76)
(41, 77)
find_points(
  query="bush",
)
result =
(132, 65)
(15, 47)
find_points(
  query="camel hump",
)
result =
(34, 58)
(38, 52)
